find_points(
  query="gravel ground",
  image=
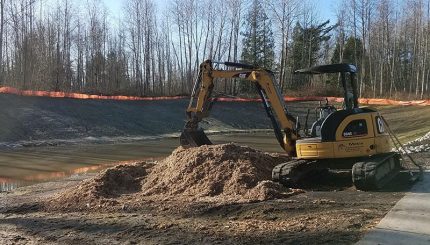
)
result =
(322, 217)
(332, 214)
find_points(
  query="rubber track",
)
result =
(291, 173)
(366, 175)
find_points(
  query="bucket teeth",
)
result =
(194, 138)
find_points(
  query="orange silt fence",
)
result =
(366, 101)
(10, 90)
(372, 101)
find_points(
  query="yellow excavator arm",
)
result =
(284, 123)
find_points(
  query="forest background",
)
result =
(154, 49)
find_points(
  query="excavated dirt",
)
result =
(216, 170)
(220, 174)
(102, 190)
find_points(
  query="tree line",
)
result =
(150, 50)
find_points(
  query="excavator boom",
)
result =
(284, 124)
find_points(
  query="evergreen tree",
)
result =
(352, 52)
(306, 46)
(258, 42)
(116, 73)
(95, 75)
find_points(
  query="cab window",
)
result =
(380, 125)
(355, 128)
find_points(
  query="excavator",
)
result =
(352, 138)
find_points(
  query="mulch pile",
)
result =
(226, 173)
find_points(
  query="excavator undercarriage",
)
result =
(368, 173)
(374, 172)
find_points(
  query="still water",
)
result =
(27, 166)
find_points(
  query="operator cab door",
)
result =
(382, 138)
(355, 136)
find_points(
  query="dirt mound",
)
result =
(102, 190)
(266, 190)
(221, 173)
(119, 180)
(213, 170)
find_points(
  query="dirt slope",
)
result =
(50, 121)
(41, 120)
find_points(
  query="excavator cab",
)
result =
(347, 75)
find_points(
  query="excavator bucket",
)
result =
(194, 138)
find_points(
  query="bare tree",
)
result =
(284, 14)
(2, 6)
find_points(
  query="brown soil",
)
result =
(213, 195)
(102, 190)
(226, 170)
